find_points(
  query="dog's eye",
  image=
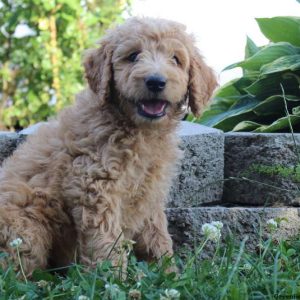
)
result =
(133, 56)
(175, 58)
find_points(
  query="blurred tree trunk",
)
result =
(54, 59)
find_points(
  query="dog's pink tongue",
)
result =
(154, 108)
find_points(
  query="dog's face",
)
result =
(151, 76)
(151, 70)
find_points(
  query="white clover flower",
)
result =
(127, 245)
(211, 232)
(217, 224)
(16, 243)
(135, 294)
(272, 224)
(42, 283)
(247, 267)
(111, 286)
(112, 291)
(170, 294)
(82, 297)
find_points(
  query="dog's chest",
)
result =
(143, 192)
(131, 173)
(146, 182)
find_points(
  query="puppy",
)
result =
(100, 173)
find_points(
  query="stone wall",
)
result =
(240, 179)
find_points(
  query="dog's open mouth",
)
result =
(152, 109)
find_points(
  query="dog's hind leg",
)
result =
(35, 240)
(25, 216)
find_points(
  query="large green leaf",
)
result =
(280, 124)
(226, 120)
(218, 107)
(266, 55)
(272, 84)
(273, 105)
(223, 99)
(242, 83)
(250, 48)
(285, 63)
(281, 29)
(246, 126)
(227, 124)
(228, 90)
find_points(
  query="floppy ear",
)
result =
(98, 70)
(202, 83)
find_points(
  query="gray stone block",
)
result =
(8, 143)
(185, 224)
(200, 176)
(262, 169)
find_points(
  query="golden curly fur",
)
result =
(100, 173)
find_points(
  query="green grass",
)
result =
(272, 272)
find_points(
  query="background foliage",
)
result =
(41, 47)
(267, 97)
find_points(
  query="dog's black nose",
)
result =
(155, 83)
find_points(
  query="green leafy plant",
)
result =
(267, 97)
(41, 47)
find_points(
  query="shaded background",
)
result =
(42, 42)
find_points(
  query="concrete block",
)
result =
(185, 224)
(200, 176)
(262, 168)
